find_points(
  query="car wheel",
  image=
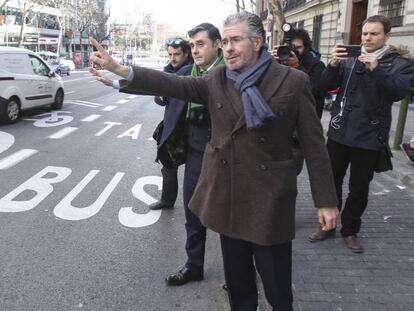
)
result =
(68, 73)
(10, 111)
(58, 99)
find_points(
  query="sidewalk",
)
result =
(327, 276)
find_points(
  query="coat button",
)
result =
(219, 105)
(263, 167)
(224, 162)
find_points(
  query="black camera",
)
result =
(285, 50)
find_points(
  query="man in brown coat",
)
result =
(247, 188)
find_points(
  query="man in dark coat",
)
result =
(306, 59)
(361, 118)
(179, 55)
(187, 124)
(247, 188)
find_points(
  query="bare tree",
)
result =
(25, 7)
(276, 9)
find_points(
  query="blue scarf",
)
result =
(256, 110)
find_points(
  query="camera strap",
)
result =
(335, 121)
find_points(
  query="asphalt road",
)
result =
(75, 230)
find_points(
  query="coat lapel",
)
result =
(268, 86)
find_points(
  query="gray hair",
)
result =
(253, 22)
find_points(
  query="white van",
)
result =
(26, 81)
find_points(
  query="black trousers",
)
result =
(196, 232)
(274, 264)
(362, 163)
(169, 185)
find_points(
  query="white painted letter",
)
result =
(40, 184)
(66, 210)
(130, 219)
(109, 125)
(132, 132)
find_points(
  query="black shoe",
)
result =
(352, 243)
(184, 275)
(159, 205)
(321, 235)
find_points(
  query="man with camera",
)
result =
(361, 118)
(297, 52)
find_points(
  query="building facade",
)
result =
(329, 22)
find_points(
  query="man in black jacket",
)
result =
(306, 59)
(205, 42)
(361, 117)
(179, 55)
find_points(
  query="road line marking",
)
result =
(63, 132)
(75, 102)
(16, 158)
(93, 81)
(86, 102)
(109, 108)
(132, 96)
(122, 101)
(70, 92)
(91, 118)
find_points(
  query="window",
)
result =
(292, 4)
(316, 34)
(394, 10)
(301, 24)
(39, 67)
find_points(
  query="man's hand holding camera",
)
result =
(340, 52)
(291, 61)
(369, 59)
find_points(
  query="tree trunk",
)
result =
(238, 6)
(24, 13)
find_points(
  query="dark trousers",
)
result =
(169, 185)
(196, 232)
(362, 163)
(274, 264)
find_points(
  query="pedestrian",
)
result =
(305, 58)
(247, 188)
(205, 49)
(361, 118)
(179, 55)
(408, 149)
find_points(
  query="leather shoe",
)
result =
(321, 235)
(159, 205)
(353, 244)
(184, 275)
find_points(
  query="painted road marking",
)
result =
(91, 118)
(82, 103)
(122, 101)
(63, 132)
(132, 96)
(71, 92)
(16, 158)
(109, 108)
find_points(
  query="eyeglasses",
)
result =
(234, 41)
(175, 42)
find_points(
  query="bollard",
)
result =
(402, 117)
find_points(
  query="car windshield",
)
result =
(54, 62)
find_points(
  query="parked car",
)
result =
(26, 81)
(59, 68)
(68, 62)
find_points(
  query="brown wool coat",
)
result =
(247, 188)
